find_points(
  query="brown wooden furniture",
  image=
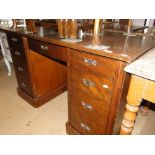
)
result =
(97, 84)
(40, 77)
(124, 21)
(95, 87)
(47, 23)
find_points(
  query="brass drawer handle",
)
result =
(20, 69)
(44, 47)
(90, 61)
(14, 39)
(86, 105)
(88, 83)
(23, 84)
(85, 127)
(17, 53)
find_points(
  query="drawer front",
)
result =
(85, 125)
(15, 41)
(88, 115)
(96, 86)
(50, 50)
(23, 77)
(96, 64)
(18, 54)
(20, 63)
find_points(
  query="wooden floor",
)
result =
(18, 117)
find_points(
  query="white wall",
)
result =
(138, 22)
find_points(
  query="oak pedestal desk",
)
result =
(45, 66)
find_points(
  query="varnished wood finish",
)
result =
(122, 103)
(15, 41)
(90, 111)
(20, 63)
(103, 66)
(80, 78)
(48, 75)
(137, 45)
(39, 78)
(95, 77)
(30, 23)
(124, 21)
(50, 50)
(70, 130)
(104, 95)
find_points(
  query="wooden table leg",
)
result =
(134, 99)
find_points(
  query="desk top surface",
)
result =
(121, 47)
(144, 66)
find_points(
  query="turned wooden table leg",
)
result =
(129, 119)
(134, 99)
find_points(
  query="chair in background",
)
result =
(5, 51)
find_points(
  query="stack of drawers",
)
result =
(91, 83)
(20, 64)
(40, 68)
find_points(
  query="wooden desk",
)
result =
(96, 81)
(142, 86)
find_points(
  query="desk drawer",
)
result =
(88, 115)
(85, 125)
(50, 50)
(18, 54)
(96, 86)
(15, 41)
(96, 64)
(23, 76)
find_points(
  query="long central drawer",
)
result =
(50, 50)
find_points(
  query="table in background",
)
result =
(142, 86)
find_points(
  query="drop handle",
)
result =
(23, 84)
(14, 39)
(44, 47)
(85, 127)
(90, 61)
(86, 105)
(88, 83)
(20, 69)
